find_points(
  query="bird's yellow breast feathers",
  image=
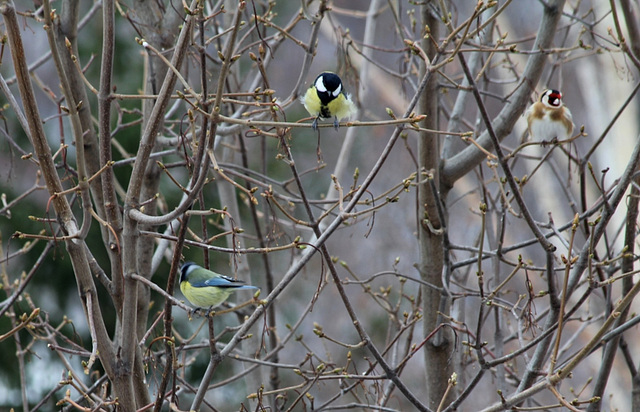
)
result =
(204, 297)
(311, 101)
(340, 107)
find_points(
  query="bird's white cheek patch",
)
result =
(337, 91)
(320, 85)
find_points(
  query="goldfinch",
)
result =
(326, 99)
(548, 118)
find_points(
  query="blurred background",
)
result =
(598, 81)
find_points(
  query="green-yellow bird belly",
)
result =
(312, 102)
(205, 297)
(339, 107)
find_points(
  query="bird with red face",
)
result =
(548, 118)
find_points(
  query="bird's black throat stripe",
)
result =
(325, 97)
(324, 112)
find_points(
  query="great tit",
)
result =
(548, 118)
(207, 289)
(326, 99)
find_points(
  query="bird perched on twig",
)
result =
(549, 119)
(205, 288)
(326, 99)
